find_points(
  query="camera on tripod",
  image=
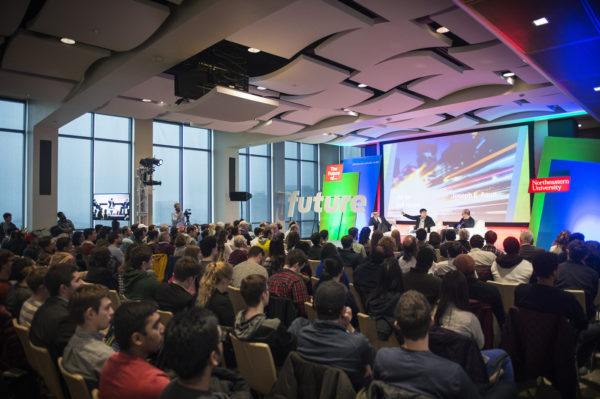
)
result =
(187, 213)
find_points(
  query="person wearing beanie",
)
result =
(419, 279)
(478, 289)
(511, 268)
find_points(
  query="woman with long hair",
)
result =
(397, 240)
(223, 248)
(363, 238)
(375, 237)
(291, 240)
(274, 262)
(212, 292)
(382, 302)
(409, 258)
(561, 242)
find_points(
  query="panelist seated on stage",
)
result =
(422, 221)
(466, 222)
(379, 223)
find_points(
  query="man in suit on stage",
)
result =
(379, 223)
(466, 222)
(422, 221)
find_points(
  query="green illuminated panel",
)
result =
(337, 223)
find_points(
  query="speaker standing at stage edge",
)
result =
(235, 195)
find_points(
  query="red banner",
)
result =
(550, 184)
(334, 172)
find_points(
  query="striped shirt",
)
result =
(28, 309)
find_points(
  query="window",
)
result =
(351, 152)
(94, 157)
(301, 174)
(254, 167)
(12, 162)
(185, 172)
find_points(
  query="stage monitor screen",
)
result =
(111, 207)
(485, 171)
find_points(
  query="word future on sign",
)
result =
(327, 204)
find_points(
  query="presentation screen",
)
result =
(486, 172)
(111, 207)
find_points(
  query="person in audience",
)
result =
(419, 279)
(356, 246)
(291, 239)
(348, 255)
(240, 251)
(288, 283)
(374, 242)
(138, 283)
(213, 292)
(139, 235)
(421, 235)
(152, 240)
(35, 281)
(577, 236)
(20, 291)
(466, 221)
(397, 240)
(409, 258)
(102, 268)
(194, 252)
(164, 245)
(463, 238)
(364, 238)
(435, 239)
(265, 240)
(7, 227)
(334, 270)
(31, 250)
(490, 240)
(274, 262)
(304, 247)
(367, 275)
(389, 245)
(89, 239)
(127, 374)
(197, 331)
(452, 250)
(6, 261)
(257, 234)
(208, 247)
(114, 246)
(561, 242)
(103, 233)
(249, 267)
(191, 236)
(528, 250)
(51, 326)
(64, 224)
(254, 326)
(85, 354)
(481, 257)
(575, 275)
(593, 257)
(329, 250)
(449, 235)
(126, 236)
(175, 296)
(478, 289)
(16, 244)
(180, 243)
(243, 226)
(48, 247)
(511, 268)
(315, 250)
(382, 302)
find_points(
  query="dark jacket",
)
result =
(381, 390)
(489, 294)
(429, 223)
(314, 253)
(173, 297)
(139, 285)
(16, 296)
(269, 331)
(465, 223)
(528, 252)
(52, 327)
(382, 310)
(350, 258)
(382, 225)
(300, 379)
(164, 248)
(366, 278)
(427, 284)
(230, 383)
(222, 307)
(101, 275)
(577, 276)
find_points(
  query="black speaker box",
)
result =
(239, 196)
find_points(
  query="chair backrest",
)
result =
(164, 316)
(235, 296)
(368, 327)
(311, 313)
(350, 272)
(75, 383)
(23, 334)
(255, 363)
(357, 299)
(48, 370)
(314, 280)
(507, 292)
(580, 296)
(313, 266)
(484, 314)
(114, 299)
(95, 393)
(159, 265)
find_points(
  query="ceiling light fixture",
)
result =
(508, 74)
(442, 29)
(362, 85)
(260, 88)
(146, 100)
(253, 50)
(597, 88)
(351, 113)
(540, 21)
(579, 125)
(510, 80)
(67, 40)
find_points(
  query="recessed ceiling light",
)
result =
(510, 80)
(362, 85)
(66, 40)
(161, 102)
(146, 100)
(253, 50)
(508, 74)
(351, 113)
(597, 88)
(579, 125)
(261, 88)
(540, 21)
(442, 29)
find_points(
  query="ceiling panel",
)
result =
(342, 95)
(225, 104)
(11, 15)
(492, 113)
(284, 106)
(158, 88)
(458, 123)
(529, 75)
(404, 10)
(277, 127)
(365, 47)
(18, 85)
(376, 131)
(402, 134)
(233, 127)
(392, 102)
(131, 108)
(311, 116)
(118, 25)
(417, 123)
(349, 139)
(28, 53)
(464, 26)
(440, 86)
(289, 30)
(180, 117)
(405, 67)
(318, 138)
(489, 56)
(304, 75)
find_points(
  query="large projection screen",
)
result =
(485, 171)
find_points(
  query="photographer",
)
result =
(177, 217)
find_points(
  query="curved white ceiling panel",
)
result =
(349, 139)
(225, 104)
(311, 116)
(289, 30)
(405, 9)
(529, 75)
(317, 139)
(18, 85)
(118, 25)
(376, 131)
(492, 113)
(131, 108)
(277, 127)
(402, 68)
(233, 127)
(367, 46)
(180, 117)
(28, 53)
(417, 123)
(304, 75)
(458, 123)
(157, 88)
(464, 26)
(489, 56)
(399, 135)
(284, 106)
(440, 86)
(392, 102)
(342, 95)
(11, 15)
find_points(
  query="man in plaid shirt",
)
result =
(288, 282)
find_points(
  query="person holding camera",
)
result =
(177, 217)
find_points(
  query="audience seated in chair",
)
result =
(490, 243)
(314, 253)
(453, 249)
(288, 283)
(419, 279)
(357, 246)
(483, 259)
(19, 292)
(213, 292)
(409, 257)
(102, 268)
(253, 265)
(382, 302)
(127, 374)
(175, 296)
(329, 250)
(138, 284)
(349, 256)
(333, 270)
(528, 250)
(86, 352)
(366, 276)
(240, 251)
(511, 267)
(421, 235)
(35, 281)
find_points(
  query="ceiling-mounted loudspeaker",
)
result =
(239, 196)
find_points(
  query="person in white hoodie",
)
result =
(511, 268)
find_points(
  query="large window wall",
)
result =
(94, 157)
(12, 162)
(254, 173)
(301, 174)
(185, 172)
(351, 152)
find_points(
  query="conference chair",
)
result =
(75, 383)
(164, 316)
(23, 334)
(255, 364)
(507, 292)
(357, 299)
(580, 296)
(314, 280)
(313, 266)
(159, 265)
(350, 272)
(95, 393)
(311, 313)
(48, 370)
(484, 314)
(368, 327)
(235, 296)
(114, 299)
